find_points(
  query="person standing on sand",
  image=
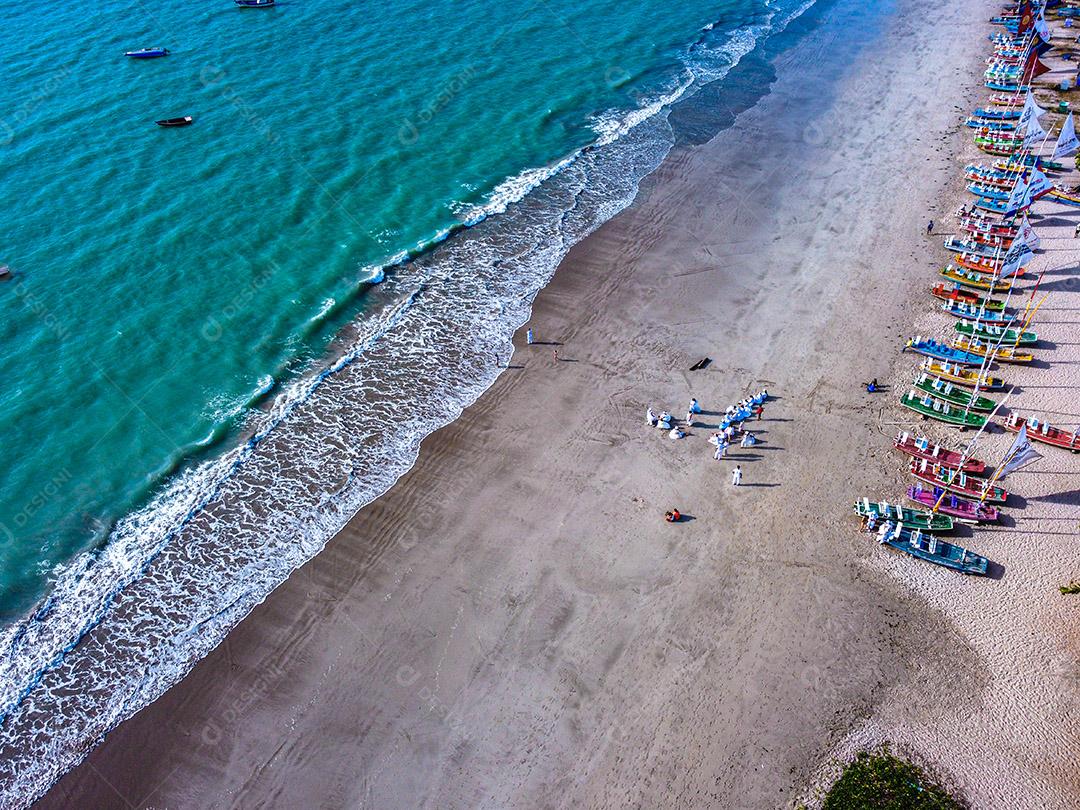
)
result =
(930, 228)
(759, 410)
(529, 336)
(736, 476)
(555, 355)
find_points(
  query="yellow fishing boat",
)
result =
(975, 280)
(962, 376)
(1002, 354)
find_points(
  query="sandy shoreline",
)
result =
(513, 624)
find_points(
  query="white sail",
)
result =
(1067, 142)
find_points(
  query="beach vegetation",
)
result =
(881, 781)
(1071, 588)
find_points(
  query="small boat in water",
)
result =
(254, 3)
(183, 121)
(930, 548)
(147, 53)
(957, 507)
(910, 518)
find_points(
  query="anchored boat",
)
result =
(930, 548)
(953, 505)
(1040, 431)
(920, 447)
(930, 407)
(957, 481)
(909, 518)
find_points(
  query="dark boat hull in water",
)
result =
(175, 122)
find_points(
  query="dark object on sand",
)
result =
(700, 364)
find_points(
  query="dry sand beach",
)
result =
(514, 625)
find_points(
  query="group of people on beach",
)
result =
(732, 429)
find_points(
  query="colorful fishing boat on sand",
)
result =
(963, 510)
(941, 351)
(1001, 354)
(983, 264)
(957, 481)
(959, 309)
(976, 223)
(1062, 196)
(1006, 100)
(921, 447)
(949, 392)
(967, 377)
(955, 293)
(933, 408)
(991, 205)
(986, 125)
(879, 511)
(1040, 431)
(990, 191)
(990, 332)
(1003, 115)
(974, 280)
(928, 547)
(973, 247)
(1025, 160)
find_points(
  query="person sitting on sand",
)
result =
(676, 433)
(871, 386)
(748, 440)
(664, 421)
(674, 516)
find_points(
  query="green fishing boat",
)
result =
(954, 394)
(992, 333)
(930, 407)
(910, 518)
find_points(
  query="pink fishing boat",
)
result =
(954, 506)
(922, 448)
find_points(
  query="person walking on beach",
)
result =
(555, 355)
(529, 336)
(759, 410)
(736, 476)
(930, 227)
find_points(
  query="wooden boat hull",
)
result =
(998, 355)
(962, 376)
(1012, 336)
(1044, 433)
(957, 482)
(922, 448)
(942, 411)
(967, 297)
(975, 281)
(909, 518)
(929, 548)
(954, 506)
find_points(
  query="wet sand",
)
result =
(514, 624)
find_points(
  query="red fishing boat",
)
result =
(956, 481)
(948, 292)
(970, 511)
(1039, 431)
(922, 448)
(983, 264)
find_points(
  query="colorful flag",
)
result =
(1067, 142)
(1019, 254)
(1020, 454)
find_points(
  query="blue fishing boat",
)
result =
(942, 351)
(1004, 87)
(984, 190)
(987, 204)
(973, 248)
(997, 126)
(1000, 115)
(959, 309)
(147, 53)
(932, 549)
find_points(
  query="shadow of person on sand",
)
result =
(757, 484)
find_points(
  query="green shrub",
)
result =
(880, 781)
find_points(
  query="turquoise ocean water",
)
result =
(221, 341)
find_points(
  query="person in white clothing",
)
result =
(676, 433)
(650, 417)
(736, 476)
(748, 439)
(729, 432)
(721, 450)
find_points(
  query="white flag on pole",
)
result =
(1020, 454)
(1041, 28)
(1017, 256)
(1067, 142)
(1016, 197)
(1035, 132)
(1031, 110)
(1027, 234)
(1038, 185)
